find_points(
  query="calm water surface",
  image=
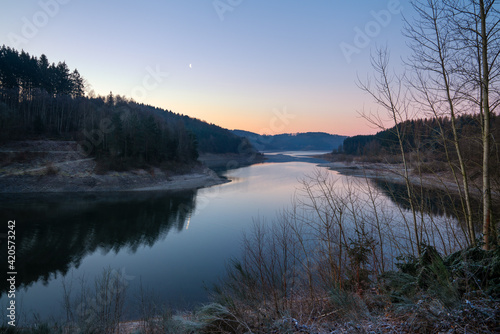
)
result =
(173, 244)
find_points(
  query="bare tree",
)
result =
(390, 93)
(455, 46)
(477, 26)
(437, 87)
(488, 34)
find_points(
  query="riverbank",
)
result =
(394, 173)
(59, 166)
(138, 180)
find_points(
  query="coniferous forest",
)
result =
(44, 100)
(426, 137)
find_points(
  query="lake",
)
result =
(171, 245)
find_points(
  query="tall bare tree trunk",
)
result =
(463, 168)
(488, 228)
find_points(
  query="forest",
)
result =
(43, 100)
(432, 138)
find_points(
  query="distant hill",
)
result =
(308, 141)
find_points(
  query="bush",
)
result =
(434, 277)
(475, 269)
(51, 169)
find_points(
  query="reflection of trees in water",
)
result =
(434, 202)
(54, 234)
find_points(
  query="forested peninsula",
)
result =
(66, 139)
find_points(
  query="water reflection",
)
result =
(54, 233)
(435, 202)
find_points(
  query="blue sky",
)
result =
(263, 66)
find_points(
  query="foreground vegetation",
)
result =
(457, 294)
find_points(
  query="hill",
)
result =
(425, 136)
(40, 100)
(308, 141)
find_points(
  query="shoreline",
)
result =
(45, 166)
(135, 181)
(393, 173)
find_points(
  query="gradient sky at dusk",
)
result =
(263, 66)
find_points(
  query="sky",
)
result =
(263, 66)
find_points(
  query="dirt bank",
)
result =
(59, 166)
(394, 173)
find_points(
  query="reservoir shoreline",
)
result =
(44, 166)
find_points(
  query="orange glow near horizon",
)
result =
(269, 123)
(329, 111)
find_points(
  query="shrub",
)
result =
(51, 169)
